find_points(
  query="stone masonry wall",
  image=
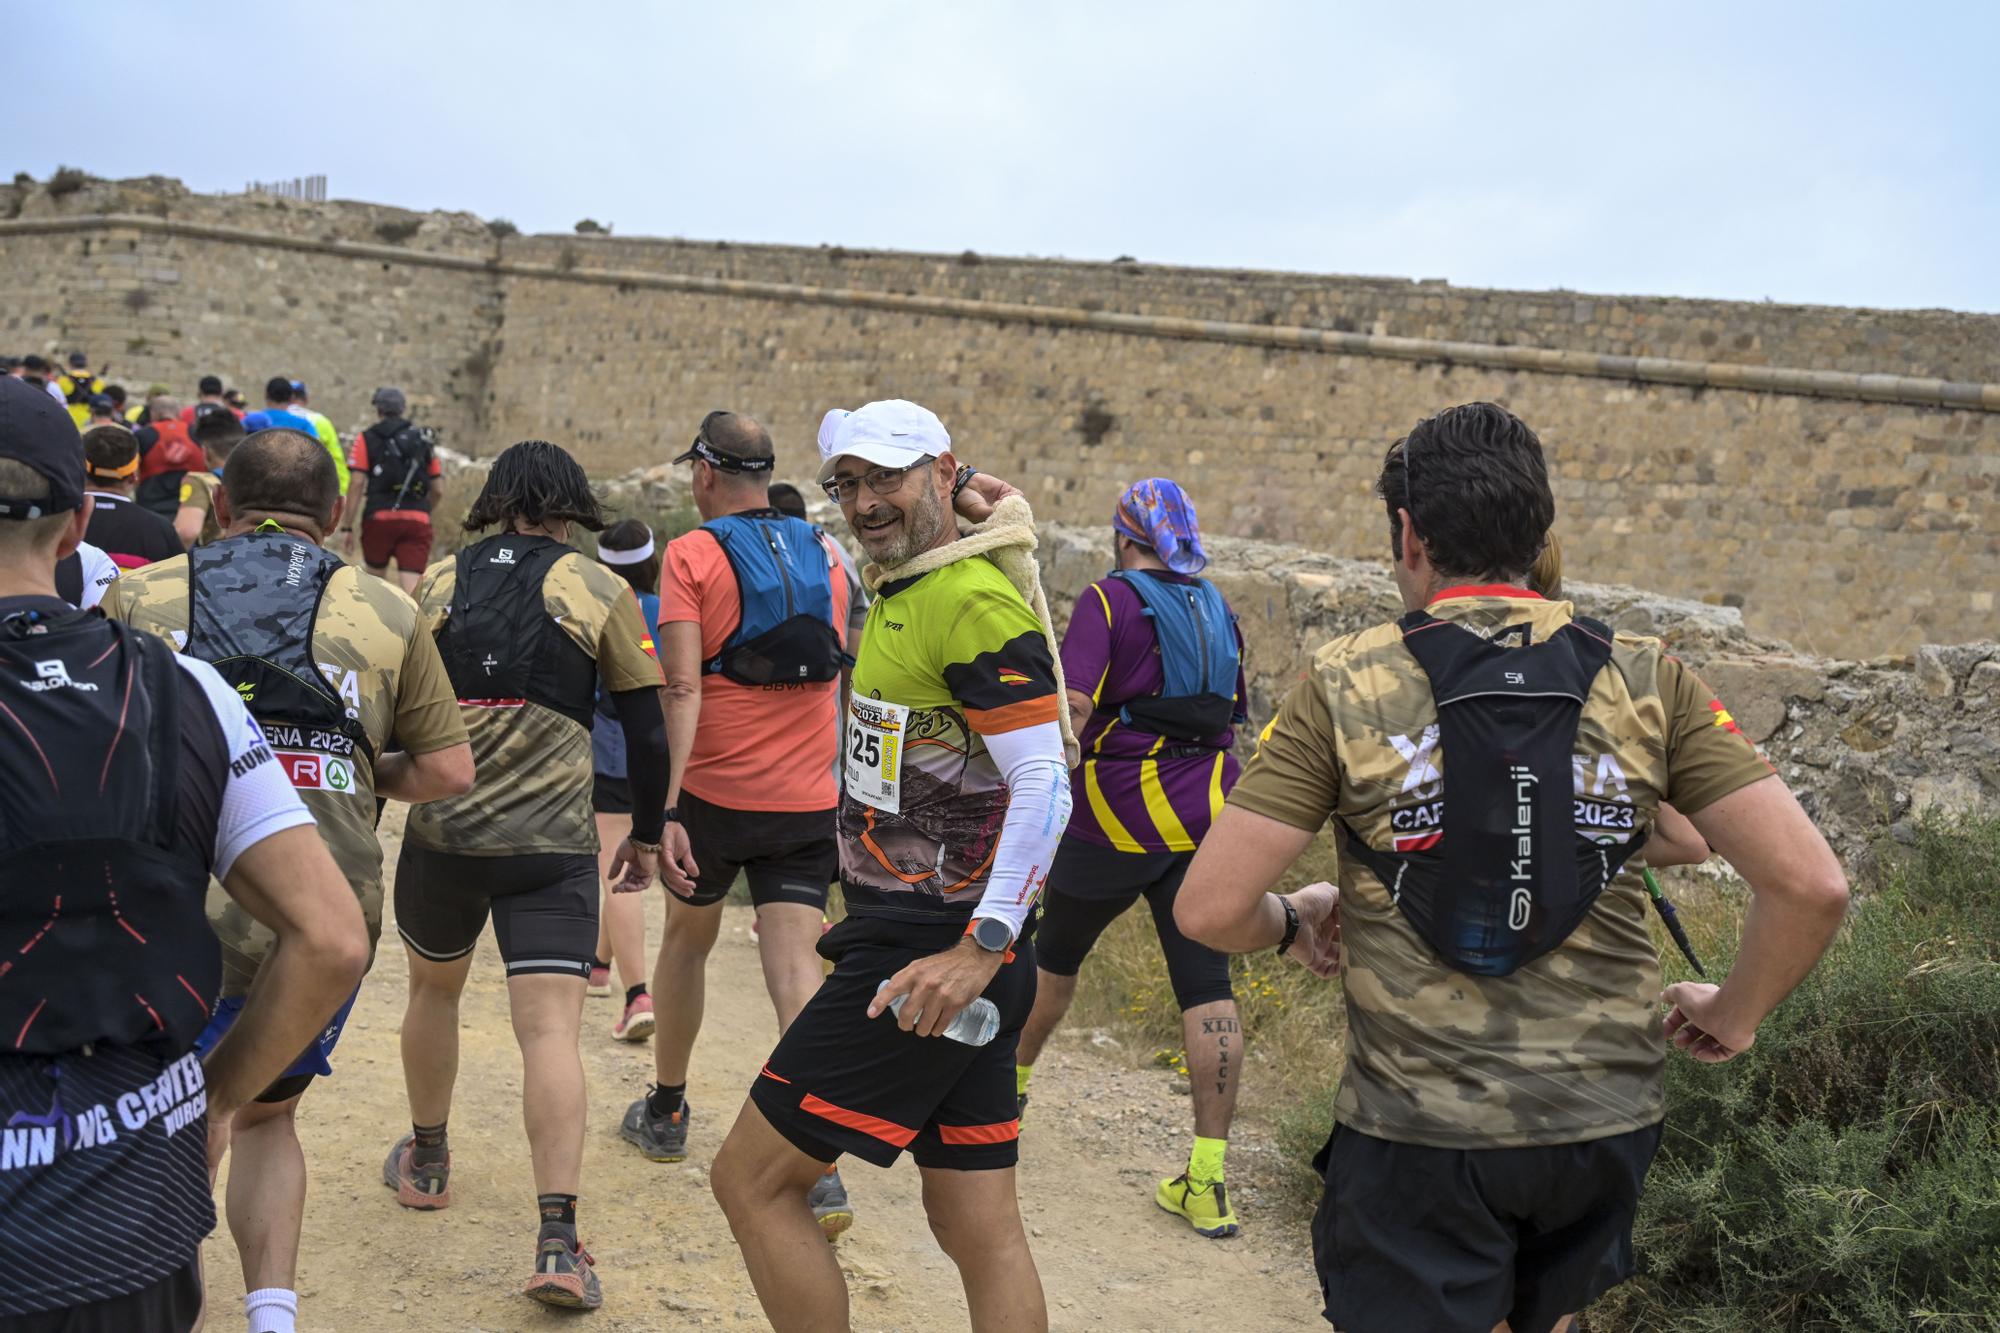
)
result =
(170, 309)
(1850, 527)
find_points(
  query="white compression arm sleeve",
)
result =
(1031, 761)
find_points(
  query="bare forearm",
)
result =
(1783, 939)
(432, 776)
(1261, 928)
(1225, 901)
(683, 701)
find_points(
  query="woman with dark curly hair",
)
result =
(528, 627)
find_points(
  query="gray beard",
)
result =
(921, 527)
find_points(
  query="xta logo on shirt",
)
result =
(55, 676)
(1420, 753)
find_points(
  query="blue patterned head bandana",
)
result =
(1156, 512)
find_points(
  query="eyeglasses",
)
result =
(881, 480)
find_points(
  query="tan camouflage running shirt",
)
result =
(532, 793)
(1568, 1047)
(198, 492)
(372, 649)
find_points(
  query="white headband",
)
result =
(632, 557)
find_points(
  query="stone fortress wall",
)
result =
(1834, 473)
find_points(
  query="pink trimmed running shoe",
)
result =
(637, 1024)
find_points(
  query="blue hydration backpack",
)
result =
(1198, 653)
(787, 635)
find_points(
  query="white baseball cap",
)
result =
(892, 432)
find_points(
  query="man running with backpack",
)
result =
(1504, 1086)
(1156, 688)
(129, 776)
(336, 668)
(404, 483)
(528, 626)
(749, 603)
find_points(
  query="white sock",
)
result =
(272, 1310)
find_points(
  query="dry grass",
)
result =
(1294, 1024)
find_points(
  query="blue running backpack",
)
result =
(1198, 653)
(787, 635)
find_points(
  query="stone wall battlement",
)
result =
(1834, 473)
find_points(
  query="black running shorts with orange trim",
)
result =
(842, 1082)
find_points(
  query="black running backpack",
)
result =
(1509, 877)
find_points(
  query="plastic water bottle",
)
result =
(975, 1025)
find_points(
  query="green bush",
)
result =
(1846, 1173)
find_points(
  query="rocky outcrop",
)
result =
(1866, 745)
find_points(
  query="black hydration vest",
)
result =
(104, 933)
(1510, 877)
(499, 642)
(399, 468)
(253, 603)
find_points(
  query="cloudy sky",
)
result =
(1834, 153)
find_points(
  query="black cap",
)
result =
(37, 430)
(210, 384)
(78, 360)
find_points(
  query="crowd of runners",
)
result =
(205, 707)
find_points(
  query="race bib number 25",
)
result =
(874, 752)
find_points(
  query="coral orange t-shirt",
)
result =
(756, 747)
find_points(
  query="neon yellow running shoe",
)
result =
(1205, 1206)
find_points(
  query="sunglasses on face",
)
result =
(881, 480)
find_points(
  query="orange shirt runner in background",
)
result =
(757, 747)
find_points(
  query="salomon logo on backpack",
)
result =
(786, 636)
(1198, 655)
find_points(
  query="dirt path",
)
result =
(1101, 1132)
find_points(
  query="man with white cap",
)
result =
(956, 792)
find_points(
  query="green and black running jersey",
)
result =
(946, 658)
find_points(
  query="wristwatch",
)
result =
(990, 933)
(966, 473)
(673, 816)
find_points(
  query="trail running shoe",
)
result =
(600, 981)
(565, 1275)
(426, 1188)
(637, 1024)
(829, 1204)
(1205, 1205)
(662, 1139)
